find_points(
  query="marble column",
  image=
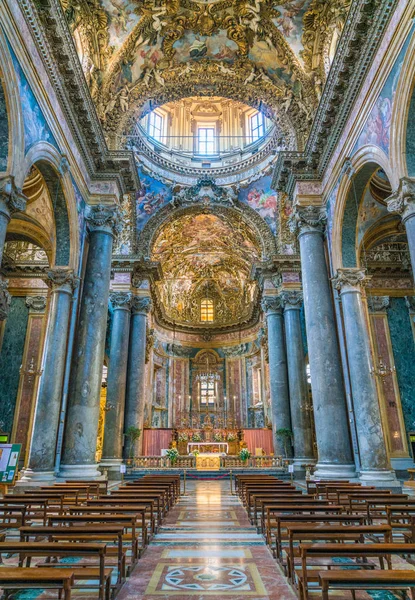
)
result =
(403, 202)
(329, 402)
(41, 463)
(116, 382)
(278, 374)
(375, 465)
(135, 390)
(80, 439)
(297, 380)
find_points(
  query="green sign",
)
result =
(9, 460)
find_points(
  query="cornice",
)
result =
(54, 42)
(365, 25)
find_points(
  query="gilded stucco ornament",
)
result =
(403, 200)
(347, 279)
(5, 299)
(206, 192)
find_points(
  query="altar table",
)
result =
(208, 462)
(222, 446)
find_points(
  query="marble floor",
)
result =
(207, 548)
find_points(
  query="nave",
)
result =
(207, 548)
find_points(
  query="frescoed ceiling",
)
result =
(273, 55)
(206, 256)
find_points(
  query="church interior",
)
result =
(207, 301)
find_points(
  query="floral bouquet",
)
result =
(183, 436)
(244, 454)
(231, 437)
(196, 437)
(217, 436)
(173, 455)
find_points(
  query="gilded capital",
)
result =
(308, 219)
(36, 303)
(292, 299)
(141, 305)
(5, 299)
(271, 305)
(101, 217)
(121, 300)
(350, 279)
(12, 199)
(378, 304)
(403, 200)
(62, 278)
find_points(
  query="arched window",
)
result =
(206, 310)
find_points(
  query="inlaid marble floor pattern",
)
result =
(207, 549)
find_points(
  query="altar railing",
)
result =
(189, 462)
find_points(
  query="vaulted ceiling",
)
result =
(138, 54)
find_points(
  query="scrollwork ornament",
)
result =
(5, 299)
(36, 303)
(141, 305)
(308, 219)
(61, 277)
(378, 304)
(101, 217)
(350, 278)
(292, 299)
(121, 300)
(271, 305)
(403, 200)
(11, 197)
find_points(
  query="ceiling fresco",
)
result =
(206, 256)
(267, 54)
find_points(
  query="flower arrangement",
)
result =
(231, 437)
(195, 453)
(196, 437)
(244, 454)
(218, 436)
(183, 436)
(173, 455)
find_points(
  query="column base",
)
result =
(379, 477)
(79, 472)
(32, 477)
(335, 471)
(112, 467)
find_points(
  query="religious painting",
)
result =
(370, 211)
(195, 47)
(152, 195)
(122, 17)
(261, 197)
(290, 22)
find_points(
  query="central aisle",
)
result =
(207, 549)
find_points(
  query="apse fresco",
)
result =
(262, 198)
(195, 47)
(152, 195)
(206, 256)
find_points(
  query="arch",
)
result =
(402, 148)
(55, 172)
(357, 172)
(169, 213)
(11, 121)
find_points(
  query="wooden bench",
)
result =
(148, 506)
(20, 578)
(28, 550)
(366, 580)
(314, 551)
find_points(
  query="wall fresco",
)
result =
(261, 197)
(152, 195)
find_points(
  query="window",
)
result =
(206, 310)
(206, 140)
(256, 122)
(155, 126)
(207, 392)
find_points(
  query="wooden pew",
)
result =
(159, 497)
(20, 578)
(28, 550)
(149, 505)
(366, 580)
(314, 551)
